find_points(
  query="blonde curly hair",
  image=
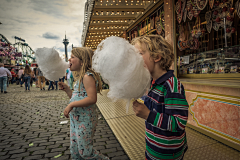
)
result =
(85, 55)
(157, 46)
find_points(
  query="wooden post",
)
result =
(169, 27)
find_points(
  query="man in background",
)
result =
(4, 73)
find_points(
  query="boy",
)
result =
(165, 108)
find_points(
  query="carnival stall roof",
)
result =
(112, 18)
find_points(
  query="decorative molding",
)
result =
(213, 94)
(221, 100)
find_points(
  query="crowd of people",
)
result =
(27, 77)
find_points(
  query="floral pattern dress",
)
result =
(83, 122)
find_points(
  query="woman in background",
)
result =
(27, 74)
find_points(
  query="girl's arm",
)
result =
(89, 84)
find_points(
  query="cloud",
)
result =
(52, 8)
(49, 35)
(43, 23)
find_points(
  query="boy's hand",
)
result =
(140, 110)
(67, 111)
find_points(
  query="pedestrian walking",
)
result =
(165, 108)
(27, 74)
(52, 83)
(41, 79)
(82, 106)
(4, 73)
(19, 74)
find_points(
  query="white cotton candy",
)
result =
(50, 63)
(122, 68)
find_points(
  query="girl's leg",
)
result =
(73, 138)
(25, 80)
(28, 82)
(85, 142)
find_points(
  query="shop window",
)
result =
(208, 39)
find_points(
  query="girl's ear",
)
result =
(157, 59)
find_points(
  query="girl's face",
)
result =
(75, 63)
(148, 60)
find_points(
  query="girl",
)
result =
(82, 106)
(27, 73)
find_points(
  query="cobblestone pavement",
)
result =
(30, 127)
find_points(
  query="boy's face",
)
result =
(148, 60)
(75, 63)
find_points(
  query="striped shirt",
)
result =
(165, 126)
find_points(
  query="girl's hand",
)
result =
(67, 110)
(140, 110)
(63, 86)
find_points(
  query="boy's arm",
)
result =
(176, 112)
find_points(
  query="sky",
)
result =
(43, 23)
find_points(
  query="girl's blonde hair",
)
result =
(27, 70)
(85, 55)
(157, 46)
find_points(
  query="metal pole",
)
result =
(174, 40)
(225, 36)
(66, 56)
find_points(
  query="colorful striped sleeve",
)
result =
(175, 116)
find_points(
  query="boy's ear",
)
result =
(157, 59)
